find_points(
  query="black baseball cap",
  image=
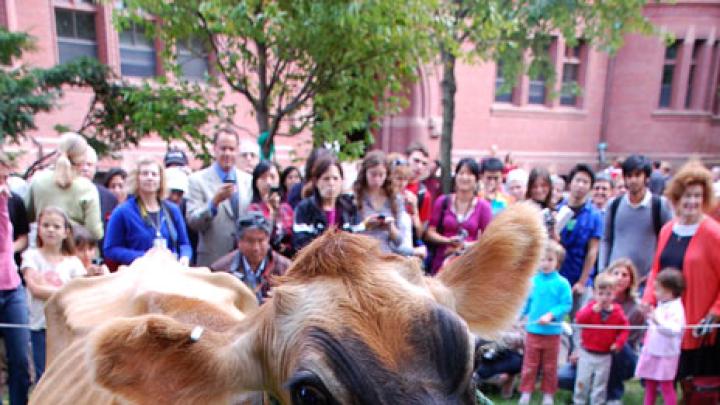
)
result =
(175, 157)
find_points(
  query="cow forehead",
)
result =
(380, 294)
(381, 322)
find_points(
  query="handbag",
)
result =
(701, 390)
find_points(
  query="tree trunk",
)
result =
(262, 117)
(449, 88)
(263, 110)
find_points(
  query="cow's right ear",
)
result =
(487, 285)
(156, 359)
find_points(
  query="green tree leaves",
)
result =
(333, 66)
(517, 34)
(120, 114)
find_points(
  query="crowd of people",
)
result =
(627, 245)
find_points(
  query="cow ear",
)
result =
(156, 359)
(487, 285)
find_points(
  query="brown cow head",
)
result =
(346, 325)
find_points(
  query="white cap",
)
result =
(249, 145)
(176, 179)
(519, 175)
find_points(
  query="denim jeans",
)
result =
(623, 369)
(507, 362)
(38, 350)
(14, 309)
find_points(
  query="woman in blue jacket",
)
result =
(146, 220)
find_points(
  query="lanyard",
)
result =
(147, 218)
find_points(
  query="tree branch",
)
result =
(242, 89)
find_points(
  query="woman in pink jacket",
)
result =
(13, 301)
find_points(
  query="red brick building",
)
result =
(651, 98)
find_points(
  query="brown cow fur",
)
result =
(85, 303)
(501, 264)
(340, 290)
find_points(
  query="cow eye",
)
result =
(306, 388)
(308, 394)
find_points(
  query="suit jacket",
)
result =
(215, 233)
(108, 202)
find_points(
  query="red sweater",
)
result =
(425, 205)
(600, 340)
(701, 268)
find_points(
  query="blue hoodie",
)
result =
(550, 292)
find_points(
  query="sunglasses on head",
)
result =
(256, 222)
(399, 162)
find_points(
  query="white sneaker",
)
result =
(524, 399)
(547, 399)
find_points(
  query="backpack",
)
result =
(422, 190)
(655, 212)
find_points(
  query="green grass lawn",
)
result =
(633, 396)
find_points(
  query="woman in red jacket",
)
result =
(690, 243)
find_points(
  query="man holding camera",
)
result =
(210, 211)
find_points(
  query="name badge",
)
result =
(160, 243)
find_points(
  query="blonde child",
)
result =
(47, 268)
(598, 345)
(549, 301)
(659, 356)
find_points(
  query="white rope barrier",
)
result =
(14, 326)
(619, 327)
(561, 324)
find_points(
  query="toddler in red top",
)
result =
(598, 344)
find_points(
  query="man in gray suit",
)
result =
(217, 195)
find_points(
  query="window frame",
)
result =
(575, 56)
(674, 64)
(186, 49)
(500, 77)
(693, 69)
(75, 39)
(138, 46)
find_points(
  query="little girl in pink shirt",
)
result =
(659, 357)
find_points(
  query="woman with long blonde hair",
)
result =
(146, 220)
(63, 187)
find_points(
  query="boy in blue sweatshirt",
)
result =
(549, 301)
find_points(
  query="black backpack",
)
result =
(655, 211)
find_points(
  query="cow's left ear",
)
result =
(487, 285)
(156, 359)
